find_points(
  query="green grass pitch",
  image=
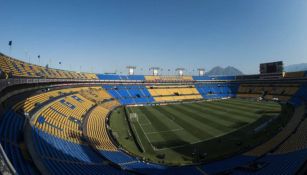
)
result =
(192, 132)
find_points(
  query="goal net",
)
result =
(133, 117)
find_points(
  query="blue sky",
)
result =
(106, 36)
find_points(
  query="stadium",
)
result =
(65, 122)
(153, 87)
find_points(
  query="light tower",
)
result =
(201, 71)
(155, 70)
(131, 70)
(180, 71)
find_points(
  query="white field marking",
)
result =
(146, 136)
(179, 146)
(172, 130)
(147, 121)
(143, 117)
(139, 139)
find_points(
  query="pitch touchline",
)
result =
(157, 132)
(139, 139)
(146, 135)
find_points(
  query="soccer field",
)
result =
(178, 132)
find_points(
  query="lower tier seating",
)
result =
(96, 129)
(95, 94)
(300, 96)
(217, 90)
(174, 93)
(129, 94)
(64, 157)
(64, 117)
(11, 135)
(110, 104)
(288, 163)
(282, 92)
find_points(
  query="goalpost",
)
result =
(133, 117)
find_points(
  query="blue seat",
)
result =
(129, 94)
(11, 134)
(64, 157)
(288, 163)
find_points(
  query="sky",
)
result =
(106, 36)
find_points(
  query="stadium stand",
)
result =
(96, 130)
(11, 134)
(64, 157)
(111, 104)
(296, 142)
(217, 90)
(95, 94)
(16, 68)
(64, 117)
(198, 78)
(153, 78)
(30, 103)
(120, 77)
(129, 94)
(173, 93)
(226, 164)
(288, 163)
(281, 91)
(69, 127)
(294, 74)
(280, 137)
(300, 96)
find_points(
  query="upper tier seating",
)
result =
(168, 78)
(120, 77)
(173, 93)
(129, 94)
(16, 68)
(214, 78)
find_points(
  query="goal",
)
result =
(133, 117)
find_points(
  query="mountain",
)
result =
(296, 67)
(228, 71)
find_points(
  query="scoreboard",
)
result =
(271, 68)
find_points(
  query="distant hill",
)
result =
(296, 67)
(228, 71)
